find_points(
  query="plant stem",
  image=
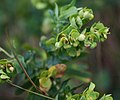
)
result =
(37, 88)
(14, 54)
(5, 52)
(30, 91)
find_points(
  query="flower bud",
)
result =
(58, 44)
(76, 44)
(88, 15)
(81, 37)
(106, 30)
(11, 69)
(105, 36)
(91, 16)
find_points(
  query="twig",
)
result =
(5, 52)
(12, 48)
(29, 91)
(37, 88)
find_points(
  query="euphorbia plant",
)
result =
(45, 68)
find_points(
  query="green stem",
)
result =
(37, 88)
(30, 91)
(2, 50)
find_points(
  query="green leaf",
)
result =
(64, 84)
(50, 41)
(99, 25)
(66, 46)
(49, 45)
(71, 51)
(74, 33)
(68, 12)
(68, 6)
(73, 22)
(79, 74)
(84, 31)
(106, 97)
(8, 70)
(1, 71)
(4, 61)
(52, 71)
(67, 30)
(56, 97)
(79, 21)
(16, 64)
(43, 55)
(56, 10)
(93, 45)
(44, 74)
(4, 76)
(39, 4)
(92, 86)
(75, 88)
(45, 84)
(83, 98)
(92, 94)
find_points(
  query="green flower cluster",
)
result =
(70, 42)
(83, 16)
(6, 69)
(89, 94)
(98, 33)
(73, 39)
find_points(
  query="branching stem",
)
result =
(5, 52)
(30, 91)
(37, 88)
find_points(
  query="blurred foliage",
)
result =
(25, 25)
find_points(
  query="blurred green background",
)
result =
(25, 22)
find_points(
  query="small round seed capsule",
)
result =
(11, 69)
(81, 37)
